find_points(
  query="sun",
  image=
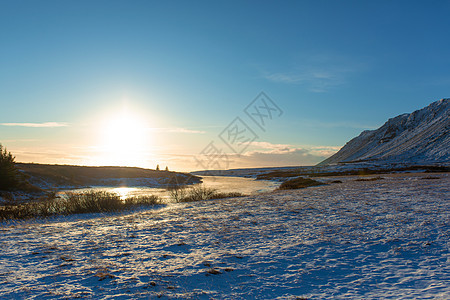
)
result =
(124, 140)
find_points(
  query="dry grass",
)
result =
(370, 179)
(198, 193)
(431, 177)
(75, 203)
(299, 183)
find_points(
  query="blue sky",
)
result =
(181, 71)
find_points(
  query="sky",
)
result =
(212, 84)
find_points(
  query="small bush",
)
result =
(221, 195)
(92, 202)
(75, 203)
(198, 193)
(370, 179)
(299, 183)
(430, 177)
(336, 181)
(177, 193)
(142, 201)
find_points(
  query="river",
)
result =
(246, 186)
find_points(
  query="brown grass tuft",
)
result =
(299, 183)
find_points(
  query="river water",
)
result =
(246, 186)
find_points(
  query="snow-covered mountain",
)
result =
(421, 137)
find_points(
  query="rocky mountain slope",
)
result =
(421, 137)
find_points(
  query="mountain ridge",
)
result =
(415, 138)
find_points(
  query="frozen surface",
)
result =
(384, 239)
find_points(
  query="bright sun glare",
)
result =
(124, 140)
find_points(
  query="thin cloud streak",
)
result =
(177, 130)
(319, 81)
(319, 73)
(342, 124)
(37, 125)
(269, 154)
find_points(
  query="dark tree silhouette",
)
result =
(167, 169)
(157, 167)
(9, 175)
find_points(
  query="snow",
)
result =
(384, 239)
(421, 137)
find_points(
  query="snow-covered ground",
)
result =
(384, 239)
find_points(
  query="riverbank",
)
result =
(68, 176)
(44, 181)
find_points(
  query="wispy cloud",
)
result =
(319, 73)
(317, 80)
(276, 158)
(286, 148)
(305, 76)
(177, 130)
(20, 140)
(324, 151)
(338, 124)
(270, 154)
(37, 125)
(268, 147)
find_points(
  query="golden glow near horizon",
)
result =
(123, 140)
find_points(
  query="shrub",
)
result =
(220, 195)
(75, 203)
(370, 179)
(430, 177)
(92, 201)
(298, 183)
(9, 175)
(142, 201)
(198, 193)
(177, 192)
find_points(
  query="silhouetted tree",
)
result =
(167, 169)
(9, 175)
(157, 167)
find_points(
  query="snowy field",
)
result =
(384, 239)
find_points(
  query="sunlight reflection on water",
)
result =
(247, 186)
(123, 192)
